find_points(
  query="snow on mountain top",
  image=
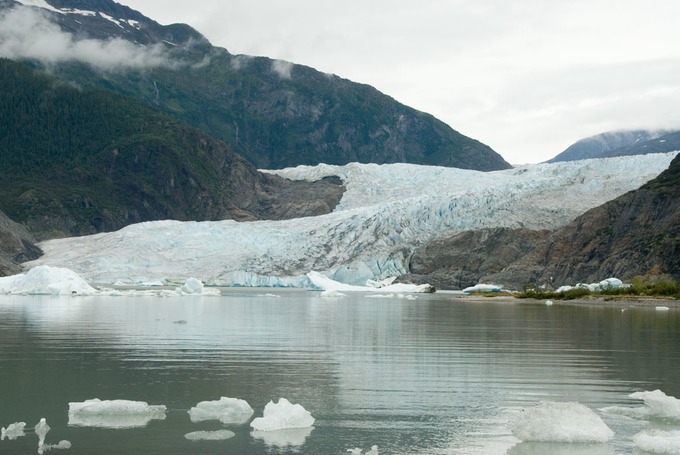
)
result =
(387, 211)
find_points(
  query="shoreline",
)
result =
(599, 301)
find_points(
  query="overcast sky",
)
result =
(527, 77)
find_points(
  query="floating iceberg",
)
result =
(324, 283)
(13, 431)
(218, 435)
(63, 445)
(658, 405)
(41, 430)
(560, 422)
(46, 280)
(194, 286)
(226, 410)
(113, 413)
(658, 441)
(282, 416)
(482, 288)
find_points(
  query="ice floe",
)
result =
(113, 413)
(482, 288)
(282, 416)
(566, 422)
(609, 283)
(658, 441)
(658, 405)
(226, 410)
(218, 435)
(13, 431)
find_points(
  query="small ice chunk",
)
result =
(218, 435)
(332, 293)
(660, 405)
(113, 413)
(658, 441)
(41, 429)
(194, 286)
(281, 416)
(662, 308)
(13, 431)
(373, 451)
(226, 410)
(63, 445)
(355, 451)
(549, 302)
(560, 422)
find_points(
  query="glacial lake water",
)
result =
(435, 375)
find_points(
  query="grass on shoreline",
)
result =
(640, 287)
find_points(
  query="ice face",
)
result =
(281, 416)
(113, 413)
(386, 212)
(226, 410)
(46, 280)
(560, 422)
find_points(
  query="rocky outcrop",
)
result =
(637, 233)
(466, 258)
(16, 246)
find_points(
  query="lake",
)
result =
(436, 375)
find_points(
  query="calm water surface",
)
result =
(438, 375)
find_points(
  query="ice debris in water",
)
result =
(357, 451)
(13, 431)
(63, 445)
(658, 441)
(194, 286)
(226, 410)
(560, 422)
(218, 435)
(322, 282)
(113, 413)
(657, 405)
(41, 429)
(281, 416)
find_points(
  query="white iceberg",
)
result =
(658, 441)
(46, 280)
(324, 283)
(482, 288)
(659, 404)
(41, 430)
(113, 413)
(560, 422)
(282, 416)
(194, 286)
(13, 431)
(226, 410)
(218, 435)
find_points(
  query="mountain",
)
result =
(274, 113)
(621, 143)
(81, 161)
(638, 233)
(386, 215)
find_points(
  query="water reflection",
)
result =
(429, 376)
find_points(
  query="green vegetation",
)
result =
(85, 160)
(640, 287)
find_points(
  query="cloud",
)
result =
(28, 34)
(282, 68)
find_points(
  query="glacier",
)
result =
(386, 212)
